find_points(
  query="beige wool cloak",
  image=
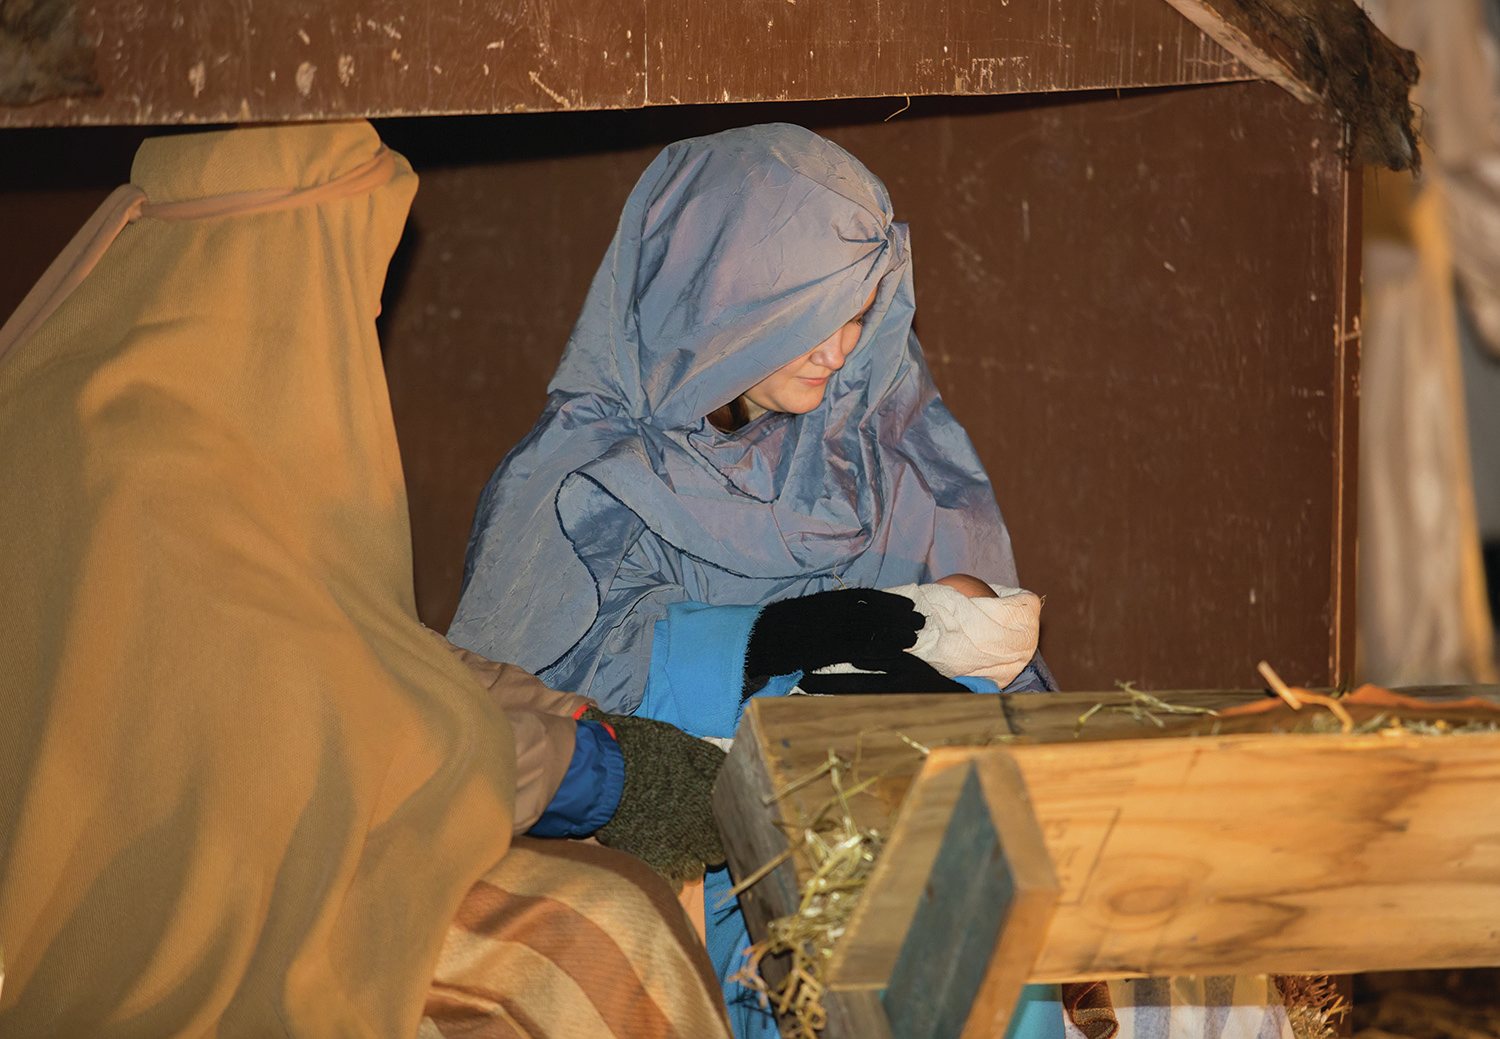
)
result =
(242, 789)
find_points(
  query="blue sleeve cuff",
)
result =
(697, 676)
(590, 791)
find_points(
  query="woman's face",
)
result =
(797, 387)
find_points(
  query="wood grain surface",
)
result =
(1243, 852)
(1141, 307)
(978, 950)
(236, 60)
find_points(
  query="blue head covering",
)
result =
(736, 253)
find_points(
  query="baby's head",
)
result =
(968, 585)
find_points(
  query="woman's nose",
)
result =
(835, 350)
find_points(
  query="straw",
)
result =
(1143, 707)
(842, 854)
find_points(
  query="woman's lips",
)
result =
(813, 380)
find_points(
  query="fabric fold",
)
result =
(735, 254)
(242, 789)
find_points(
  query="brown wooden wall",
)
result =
(1137, 304)
(221, 60)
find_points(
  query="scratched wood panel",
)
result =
(1129, 302)
(295, 59)
(1162, 440)
(1250, 852)
(1141, 311)
(812, 50)
(240, 61)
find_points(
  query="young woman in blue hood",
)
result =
(741, 443)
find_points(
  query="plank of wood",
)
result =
(1269, 58)
(745, 790)
(214, 61)
(929, 47)
(957, 907)
(1242, 853)
(1324, 50)
(905, 870)
(235, 60)
(1029, 862)
(857, 1013)
(1270, 853)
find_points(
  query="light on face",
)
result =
(798, 386)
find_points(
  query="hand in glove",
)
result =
(664, 816)
(902, 673)
(835, 627)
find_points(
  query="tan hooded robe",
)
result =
(242, 790)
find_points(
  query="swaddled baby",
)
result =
(973, 629)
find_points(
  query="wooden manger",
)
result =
(1069, 837)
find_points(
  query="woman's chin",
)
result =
(808, 401)
(799, 402)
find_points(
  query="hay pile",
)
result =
(842, 854)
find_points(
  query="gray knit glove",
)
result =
(664, 817)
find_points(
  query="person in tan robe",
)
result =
(242, 790)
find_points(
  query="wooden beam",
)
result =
(211, 61)
(1269, 853)
(1267, 57)
(1325, 51)
(958, 904)
(1242, 852)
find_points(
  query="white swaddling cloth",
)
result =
(984, 638)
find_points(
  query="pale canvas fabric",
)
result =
(242, 790)
(1423, 617)
(1459, 95)
(1246, 1006)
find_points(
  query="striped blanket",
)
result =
(565, 939)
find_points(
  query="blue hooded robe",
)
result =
(624, 548)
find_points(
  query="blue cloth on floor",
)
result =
(727, 941)
(1039, 1014)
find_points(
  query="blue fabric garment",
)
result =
(623, 512)
(735, 254)
(1038, 1014)
(697, 669)
(1036, 678)
(590, 790)
(727, 939)
(698, 666)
